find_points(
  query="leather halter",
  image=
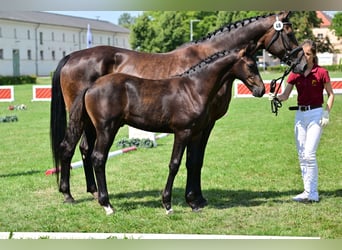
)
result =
(278, 26)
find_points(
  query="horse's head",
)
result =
(246, 70)
(281, 42)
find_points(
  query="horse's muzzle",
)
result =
(259, 92)
(299, 65)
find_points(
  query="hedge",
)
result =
(16, 80)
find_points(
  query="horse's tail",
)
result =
(57, 115)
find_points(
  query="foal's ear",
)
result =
(242, 52)
(251, 48)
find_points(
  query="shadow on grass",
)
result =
(217, 198)
(31, 172)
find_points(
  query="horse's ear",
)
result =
(286, 15)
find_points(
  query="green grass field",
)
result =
(249, 176)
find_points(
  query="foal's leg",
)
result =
(104, 141)
(176, 157)
(194, 162)
(86, 148)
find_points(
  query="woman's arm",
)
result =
(331, 97)
(285, 95)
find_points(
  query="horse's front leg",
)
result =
(179, 144)
(86, 148)
(194, 162)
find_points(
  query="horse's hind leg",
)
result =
(176, 157)
(68, 146)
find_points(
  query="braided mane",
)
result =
(195, 68)
(229, 27)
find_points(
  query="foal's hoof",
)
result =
(108, 209)
(169, 211)
(198, 205)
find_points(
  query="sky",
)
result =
(110, 16)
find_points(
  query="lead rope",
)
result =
(275, 102)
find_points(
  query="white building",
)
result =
(321, 33)
(32, 43)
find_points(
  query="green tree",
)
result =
(126, 20)
(142, 33)
(226, 17)
(303, 22)
(162, 31)
(324, 45)
(336, 24)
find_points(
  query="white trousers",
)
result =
(308, 133)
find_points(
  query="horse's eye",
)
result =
(291, 35)
(251, 65)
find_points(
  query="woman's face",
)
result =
(309, 56)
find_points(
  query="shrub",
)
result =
(16, 80)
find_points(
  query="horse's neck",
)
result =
(235, 37)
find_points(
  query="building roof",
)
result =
(326, 19)
(61, 20)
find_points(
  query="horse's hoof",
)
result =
(169, 211)
(109, 209)
(197, 209)
(95, 195)
(69, 200)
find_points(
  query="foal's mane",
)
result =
(195, 68)
(229, 27)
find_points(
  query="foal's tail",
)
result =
(57, 115)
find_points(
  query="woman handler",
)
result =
(310, 117)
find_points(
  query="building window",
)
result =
(41, 55)
(64, 54)
(15, 33)
(28, 35)
(108, 41)
(1, 54)
(0, 32)
(52, 36)
(53, 55)
(41, 38)
(29, 55)
(63, 37)
(73, 38)
(320, 36)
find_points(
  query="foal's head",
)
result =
(246, 70)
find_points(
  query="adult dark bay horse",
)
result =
(80, 69)
(179, 105)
